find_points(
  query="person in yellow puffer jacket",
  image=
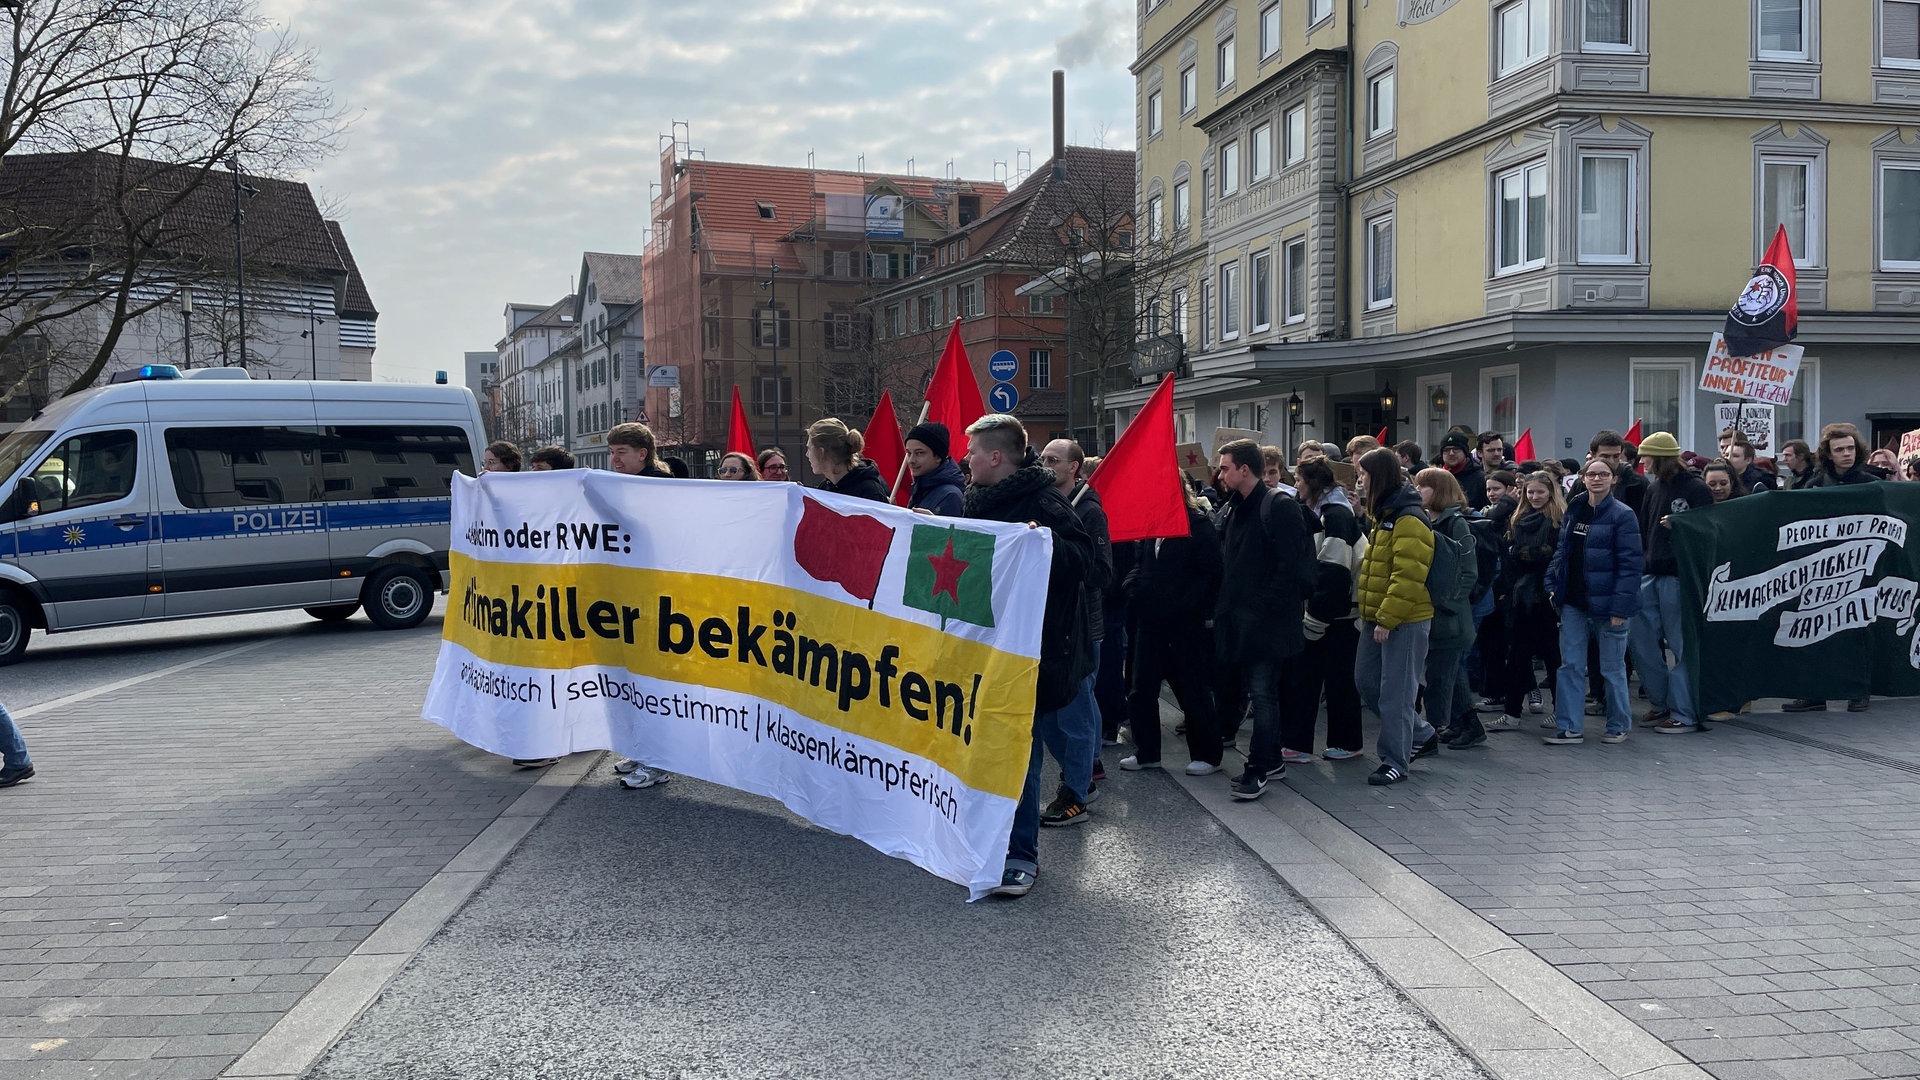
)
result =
(1396, 614)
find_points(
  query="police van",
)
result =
(168, 496)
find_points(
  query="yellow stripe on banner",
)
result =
(961, 704)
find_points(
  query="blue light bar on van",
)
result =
(149, 371)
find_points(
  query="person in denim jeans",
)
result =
(1594, 581)
(1396, 615)
(1675, 491)
(15, 765)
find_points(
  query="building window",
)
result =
(1296, 281)
(1153, 114)
(1179, 306)
(1522, 27)
(1230, 168)
(1900, 217)
(1229, 301)
(1318, 11)
(1900, 33)
(1182, 206)
(1662, 392)
(1520, 221)
(1269, 30)
(1790, 196)
(1380, 262)
(1606, 208)
(1380, 105)
(929, 312)
(1039, 369)
(773, 396)
(1156, 212)
(1224, 54)
(1606, 26)
(1245, 415)
(1500, 402)
(896, 320)
(1189, 89)
(1296, 148)
(1782, 29)
(1260, 274)
(970, 301)
(1790, 420)
(1039, 305)
(765, 322)
(840, 330)
(1260, 146)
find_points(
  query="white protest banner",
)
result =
(1755, 420)
(1910, 444)
(1768, 377)
(871, 668)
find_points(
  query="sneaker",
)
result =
(10, 777)
(1384, 775)
(1093, 794)
(1671, 726)
(642, 777)
(1563, 738)
(625, 765)
(1278, 772)
(1466, 739)
(1099, 770)
(1014, 883)
(1250, 785)
(1202, 768)
(1449, 733)
(1426, 749)
(1614, 738)
(1296, 757)
(535, 762)
(1807, 705)
(1551, 723)
(1132, 763)
(1655, 717)
(1596, 708)
(1110, 740)
(1488, 704)
(1504, 723)
(1064, 810)
(1858, 704)
(1536, 703)
(1335, 753)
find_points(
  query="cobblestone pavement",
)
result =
(200, 848)
(1750, 895)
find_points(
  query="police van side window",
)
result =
(98, 467)
(217, 467)
(392, 461)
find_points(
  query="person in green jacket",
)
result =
(1396, 614)
(1445, 502)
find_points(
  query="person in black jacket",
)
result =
(937, 483)
(1267, 556)
(833, 453)
(1066, 460)
(1629, 486)
(1006, 488)
(1675, 490)
(1330, 627)
(1173, 586)
(1456, 456)
(1839, 458)
(1532, 535)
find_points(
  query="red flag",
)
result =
(1523, 450)
(953, 396)
(1382, 437)
(885, 448)
(739, 439)
(1139, 479)
(846, 549)
(1633, 433)
(1766, 314)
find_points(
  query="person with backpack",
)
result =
(1594, 582)
(1532, 536)
(1333, 635)
(1396, 614)
(1487, 660)
(1450, 581)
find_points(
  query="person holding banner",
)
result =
(937, 483)
(737, 466)
(833, 453)
(773, 465)
(1594, 581)
(1005, 488)
(630, 452)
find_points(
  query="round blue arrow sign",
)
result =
(1003, 397)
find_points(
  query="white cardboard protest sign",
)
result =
(1767, 377)
(1910, 444)
(1755, 420)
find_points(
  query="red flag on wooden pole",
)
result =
(1382, 437)
(1523, 450)
(739, 439)
(886, 449)
(953, 396)
(1139, 480)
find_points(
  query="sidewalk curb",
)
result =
(301, 1037)
(1514, 1013)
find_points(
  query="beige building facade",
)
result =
(1520, 214)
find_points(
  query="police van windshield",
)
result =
(16, 448)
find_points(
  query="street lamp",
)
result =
(186, 313)
(240, 188)
(1295, 421)
(1387, 403)
(773, 316)
(312, 334)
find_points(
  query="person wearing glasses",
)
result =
(738, 466)
(773, 465)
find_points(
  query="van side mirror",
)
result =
(23, 502)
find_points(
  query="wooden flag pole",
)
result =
(893, 491)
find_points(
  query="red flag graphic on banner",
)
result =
(1139, 480)
(1766, 314)
(846, 549)
(886, 449)
(739, 439)
(1523, 450)
(1633, 433)
(953, 396)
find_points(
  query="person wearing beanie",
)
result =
(938, 487)
(1456, 456)
(1675, 490)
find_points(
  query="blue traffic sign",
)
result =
(1003, 365)
(1003, 397)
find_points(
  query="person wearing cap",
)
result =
(1456, 456)
(938, 487)
(1675, 490)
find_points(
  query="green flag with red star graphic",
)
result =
(950, 573)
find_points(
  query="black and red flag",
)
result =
(1766, 315)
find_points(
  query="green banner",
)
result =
(1803, 594)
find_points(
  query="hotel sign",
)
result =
(1419, 11)
(1157, 356)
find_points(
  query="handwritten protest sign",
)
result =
(1755, 420)
(1910, 444)
(1768, 377)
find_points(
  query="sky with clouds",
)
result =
(492, 141)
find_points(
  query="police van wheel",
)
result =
(14, 628)
(334, 612)
(397, 598)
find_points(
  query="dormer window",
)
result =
(766, 210)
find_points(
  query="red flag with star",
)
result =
(1139, 479)
(849, 550)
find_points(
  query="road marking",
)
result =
(136, 680)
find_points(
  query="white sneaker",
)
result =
(1535, 704)
(1503, 722)
(1201, 768)
(643, 777)
(1132, 763)
(625, 765)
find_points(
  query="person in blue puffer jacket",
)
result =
(1594, 583)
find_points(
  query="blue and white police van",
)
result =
(169, 496)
